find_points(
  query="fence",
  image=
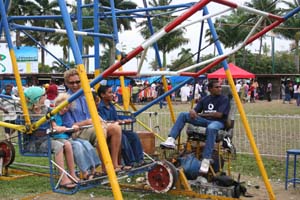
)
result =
(273, 134)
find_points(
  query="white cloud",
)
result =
(132, 39)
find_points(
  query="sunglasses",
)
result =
(217, 87)
(74, 82)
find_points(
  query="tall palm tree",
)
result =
(269, 6)
(169, 42)
(290, 28)
(231, 30)
(185, 59)
(123, 23)
(106, 26)
(21, 8)
(45, 7)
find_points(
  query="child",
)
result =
(35, 97)
(84, 153)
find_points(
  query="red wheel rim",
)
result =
(9, 152)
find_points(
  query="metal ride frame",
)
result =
(76, 46)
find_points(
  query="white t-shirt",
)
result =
(238, 87)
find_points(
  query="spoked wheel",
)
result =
(7, 152)
(162, 177)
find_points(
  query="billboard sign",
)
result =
(27, 59)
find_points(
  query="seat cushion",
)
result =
(198, 133)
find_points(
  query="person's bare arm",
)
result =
(84, 123)
(193, 114)
(58, 129)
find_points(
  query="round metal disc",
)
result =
(161, 177)
(9, 152)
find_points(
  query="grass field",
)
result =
(244, 164)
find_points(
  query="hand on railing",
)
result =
(67, 130)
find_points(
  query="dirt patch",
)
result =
(256, 187)
(56, 196)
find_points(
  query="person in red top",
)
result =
(52, 92)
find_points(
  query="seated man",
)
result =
(78, 116)
(210, 112)
(132, 150)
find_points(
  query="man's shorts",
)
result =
(90, 135)
(57, 145)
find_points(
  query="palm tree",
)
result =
(45, 7)
(169, 42)
(269, 6)
(185, 59)
(104, 60)
(21, 8)
(106, 25)
(290, 29)
(231, 30)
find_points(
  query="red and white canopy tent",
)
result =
(236, 72)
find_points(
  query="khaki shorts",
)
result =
(57, 145)
(89, 134)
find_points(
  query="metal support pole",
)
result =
(273, 54)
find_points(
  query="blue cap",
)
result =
(33, 94)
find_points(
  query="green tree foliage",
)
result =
(231, 30)
(106, 23)
(269, 6)
(104, 59)
(44, 68)
(290, 28)
(21, 8)
(160, 18)
(45, 7)
(283, 63)
(185, 59)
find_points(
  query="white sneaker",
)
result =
(169, 143)
(204, 166)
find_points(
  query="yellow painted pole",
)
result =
(48, 115)
(19, 85)
(99, 133)
(125, 93)
(165, 84)
(13, 126)
(97, 73)
(250, 135)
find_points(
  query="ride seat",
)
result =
(197, 133)
(126, 115)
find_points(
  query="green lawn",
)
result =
(244, 164)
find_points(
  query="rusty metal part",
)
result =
(7, 152)
(162, 177)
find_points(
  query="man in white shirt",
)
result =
(9, 107)
(184, 93)
(238, 88)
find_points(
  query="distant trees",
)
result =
(171, 41)
(231, 29)
(290, 29)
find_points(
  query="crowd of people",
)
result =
(147, 92)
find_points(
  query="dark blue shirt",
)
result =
(108, 114)
(210, 104)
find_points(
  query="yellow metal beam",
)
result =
(99, 133)
(250, 135)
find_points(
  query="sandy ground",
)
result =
(255, 187)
